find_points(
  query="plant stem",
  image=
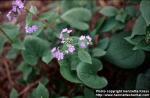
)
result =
(5, 34)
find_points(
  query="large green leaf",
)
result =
(67, 73)
(87, 73)
(109, 11)
(77, 18)
(139, 27)
(34, 49)
(120, 53)
(84, 56)
(11, 30)
(143, 80)
(144, 8)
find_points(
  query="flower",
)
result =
(31, 29)
(18, 3)
(71, 48)
(89, 38)
(66, 30)
(84, 41)
(17, 7)
(83, 44)
(82, 37)
(57, 54)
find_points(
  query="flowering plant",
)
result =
(66, 47)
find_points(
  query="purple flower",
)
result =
(82, 37)
(83, 44)
(71, 48)
(31, 29)
(17, 7)
(66, 30)
(18, 3)
(57, 54)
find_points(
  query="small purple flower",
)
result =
(64, 30)
(17, 7)
(31, 29)
(18, 3)
(83, 44)
(57, 54)
(82, 37)
(89, 38)
(71, 48)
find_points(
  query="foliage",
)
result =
(68, 42)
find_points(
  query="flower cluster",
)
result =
(68, 45)
(17, 7)
(85, 41)
(57, 53)
(31, 29)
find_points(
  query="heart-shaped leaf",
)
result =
(67, 73)
(87, 73)
(120, 53)
(34, 49)
(77, 18)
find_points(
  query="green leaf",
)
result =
(67, 73)
(26, 69)
(77, 18)
(120, 53)
(33, 9)
(130, 10)
(41, 91)
(143, 81)
(121, 16)
(47, 57)
(2, 42)
(87, 73)
(109, 11)
(142, 46)
(34, 49)
(84, 56)
(139, 27)
(144, 8)
(17, 44)
(11, 30)
(98, 52)
(103, 44)
(111, 25)
(13, 94)
(49, 16)
(12, 53)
